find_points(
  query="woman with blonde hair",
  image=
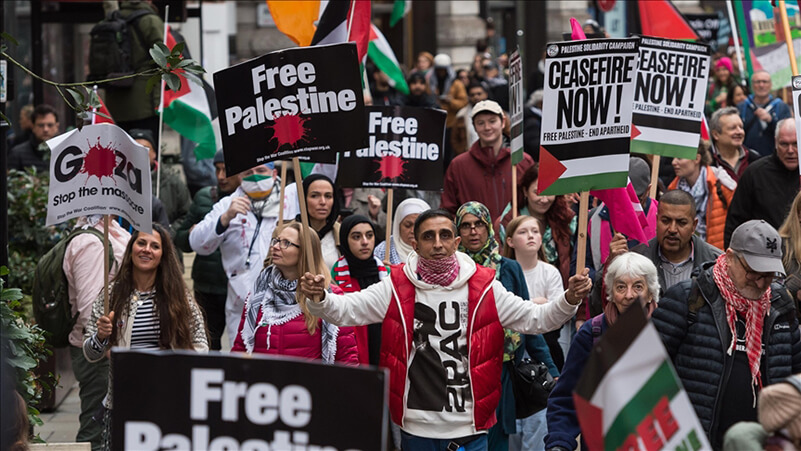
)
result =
(790, 231)
(276, 319)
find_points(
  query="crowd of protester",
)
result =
(712, 250)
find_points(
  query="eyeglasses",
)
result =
(752, 275)
(466, 227)
(283, 244)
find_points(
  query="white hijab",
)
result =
(408, 207)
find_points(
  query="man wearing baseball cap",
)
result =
(484, 173)
(731, 331)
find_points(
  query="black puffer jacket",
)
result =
(698, 348)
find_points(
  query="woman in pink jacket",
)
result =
(275, 319)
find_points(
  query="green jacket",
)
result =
(133, 103)
(207, 270)
(173, 194)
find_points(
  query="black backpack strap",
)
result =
(132, 21)
(696, 301)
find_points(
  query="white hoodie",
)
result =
(434, 410)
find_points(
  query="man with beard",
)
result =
(730, 331)
(676, 251)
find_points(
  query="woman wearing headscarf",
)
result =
(402, 231)
(322, 204)
(356, 270)
(474, 224)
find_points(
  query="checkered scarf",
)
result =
(440, 272)
(754, 311)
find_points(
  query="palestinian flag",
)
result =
(188, 112)
(98, 118)
(384, 58)
(629, 396)
(666, 136)
(340, 16)
(399, 10)
(660, 18)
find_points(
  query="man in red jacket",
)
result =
(484, 173)
(442, 318)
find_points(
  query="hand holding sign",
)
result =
(313, 287)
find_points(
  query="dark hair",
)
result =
(43, 110)
(416, 76)
(678, 197)
(172, 297)
(429, 214)
(558, 216)
(476, 84)
(730, 94)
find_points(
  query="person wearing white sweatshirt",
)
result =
(445, 372)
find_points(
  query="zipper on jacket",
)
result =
(405, 346)
(469, 335)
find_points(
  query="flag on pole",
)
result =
(629, 396)
(659, 18)
(399, 10)
(188, 112)
(97, 118)
(295, 19)
(625, 211)
(384, 58)
(338, 18)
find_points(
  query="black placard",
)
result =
(295, 102)
(405, 150)
(185, 400)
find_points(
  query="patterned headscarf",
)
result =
(488, 255)
(754, 311)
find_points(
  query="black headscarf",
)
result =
(332, 217)
(364, 271)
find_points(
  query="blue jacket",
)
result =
(698, 348)
(563, 426)
(512, 278)
(758, 138)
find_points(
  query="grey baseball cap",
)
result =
(760, 245)
(640, 175)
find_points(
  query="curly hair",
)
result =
(172, 297)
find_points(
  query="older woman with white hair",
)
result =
(630, 279)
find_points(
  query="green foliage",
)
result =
(25, 347)
(171, 63)
(84, 101)
(28, 238)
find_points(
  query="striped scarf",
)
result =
(440, 272)
(754, 311)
